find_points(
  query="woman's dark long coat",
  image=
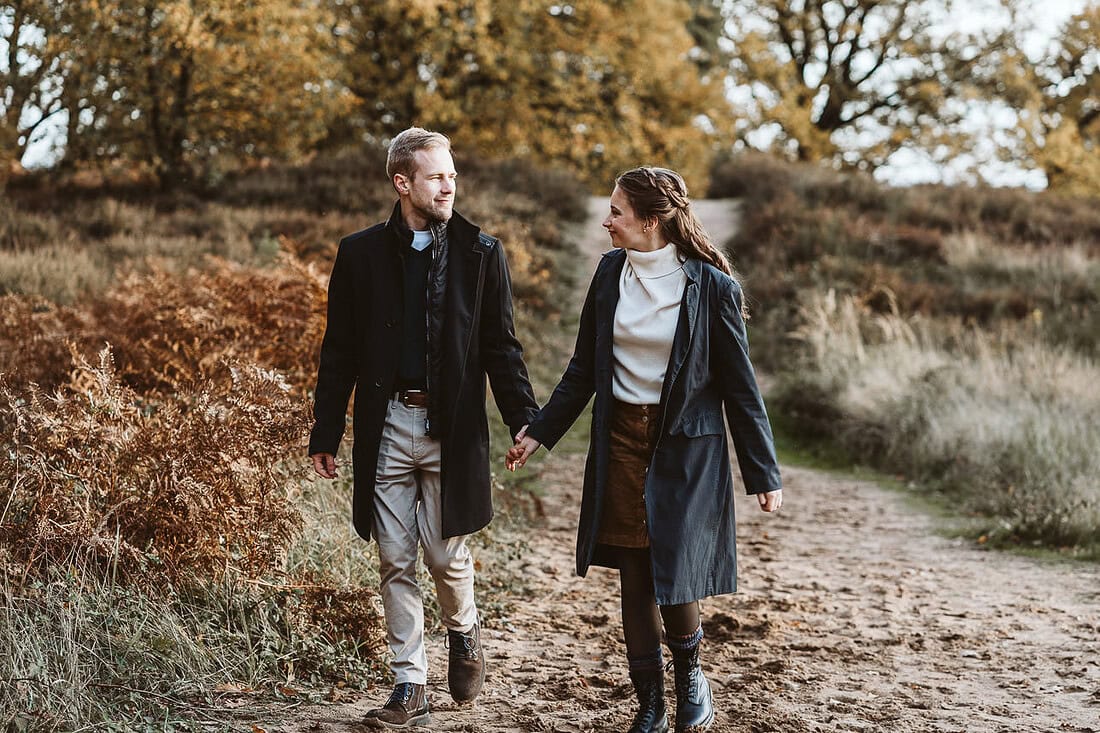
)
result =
(689, 486)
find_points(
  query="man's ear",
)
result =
(401, 183)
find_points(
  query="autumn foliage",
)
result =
(164, 452)
(161, 489)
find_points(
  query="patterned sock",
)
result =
(684, 643)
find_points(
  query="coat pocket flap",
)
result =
(706, 423)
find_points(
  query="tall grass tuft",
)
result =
(83, 649)
(1005, 424)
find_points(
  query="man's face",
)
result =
(431, 190)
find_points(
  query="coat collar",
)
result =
(459, 228)
(607, 299)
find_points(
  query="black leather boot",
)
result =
(649, 686)
(694, 702)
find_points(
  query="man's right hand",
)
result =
(324, 464)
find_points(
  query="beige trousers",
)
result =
(408, 515)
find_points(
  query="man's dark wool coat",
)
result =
(689, 486)
(470, 336)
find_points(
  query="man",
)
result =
(419, 313)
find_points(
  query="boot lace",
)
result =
(687, 680)
(650, 706)
(463, 645)
(401, 694)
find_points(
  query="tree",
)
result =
(594, 86)
(1064, 107)
(854, 81)
(184, 84)
(31, 55)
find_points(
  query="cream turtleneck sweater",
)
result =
(650, 289)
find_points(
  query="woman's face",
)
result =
(624, 227)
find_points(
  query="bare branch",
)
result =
(783, 17)
(887, 44)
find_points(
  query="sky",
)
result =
(905, 167)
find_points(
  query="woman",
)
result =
(662, 346)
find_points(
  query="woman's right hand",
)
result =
(771, 501)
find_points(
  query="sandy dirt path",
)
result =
(853, 615)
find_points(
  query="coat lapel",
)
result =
(685, 326)
(607, 299)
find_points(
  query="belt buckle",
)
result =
(412, 397)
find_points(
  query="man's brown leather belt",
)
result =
(412, 397)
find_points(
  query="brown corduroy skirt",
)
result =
(633, 439)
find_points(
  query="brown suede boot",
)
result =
(466, 667)
(406, 708)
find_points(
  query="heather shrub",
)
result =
(752, 175)
(352, 181)
(912, 251)
(59, 273)
(355, 181)
(21, 231)
(1012, 216)
(552, 191)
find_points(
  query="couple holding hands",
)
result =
(420, 313)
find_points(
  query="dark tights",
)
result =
(641, 616)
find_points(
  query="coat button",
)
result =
(389, 324)
(645, 418)
(378, 383)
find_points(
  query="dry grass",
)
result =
(946, 333)
(1003, 422)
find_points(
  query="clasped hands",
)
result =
(521, 451)
(526, 445)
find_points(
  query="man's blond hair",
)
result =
(402, 155)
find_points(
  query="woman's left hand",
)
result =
(771, 501)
